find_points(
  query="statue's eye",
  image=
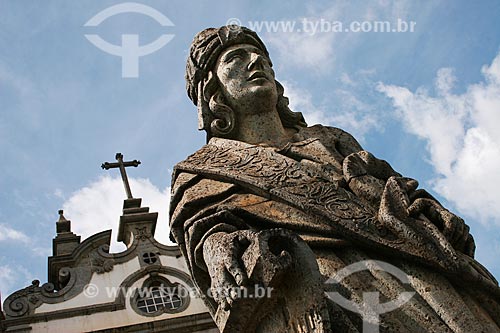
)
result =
(234, 57)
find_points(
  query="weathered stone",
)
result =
(273, 203)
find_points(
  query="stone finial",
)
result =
(63, 225)
(61, 216)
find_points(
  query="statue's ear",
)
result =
(201, 106)
(206, 89)
(209, 86)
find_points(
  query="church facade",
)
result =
(146, 288)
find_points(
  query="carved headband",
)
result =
(206, 48)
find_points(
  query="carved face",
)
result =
(246, 78)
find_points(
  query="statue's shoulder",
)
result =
(195, 190)
(322, 130)
(195, 186)
(333, 138)
(189, 176)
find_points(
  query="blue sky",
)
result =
(428, 101)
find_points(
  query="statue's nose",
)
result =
(255, 61)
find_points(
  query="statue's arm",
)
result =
(195, 213)
(211, 237)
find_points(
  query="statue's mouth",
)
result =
(258, 75)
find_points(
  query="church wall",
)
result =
(102, 283)
(127, 316)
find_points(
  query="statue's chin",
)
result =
(257, 97)
(249, 93)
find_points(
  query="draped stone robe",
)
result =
(313, 187)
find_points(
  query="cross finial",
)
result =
(122, 165)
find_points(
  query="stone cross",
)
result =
(122, 165)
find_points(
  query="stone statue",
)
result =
(271, 203)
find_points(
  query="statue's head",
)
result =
(229, 66)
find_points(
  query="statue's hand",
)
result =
(453, 227)
(222, 254)
(401, 199)
(371, 179)
(367, 176)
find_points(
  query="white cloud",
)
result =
(98, 206)
(304, 50)
(28, 100)
(12, 276)
(313, 40)
(301, 101)
(353, 115)
(346, 79)
(343, 109)
(7, 233)
(462, 135)
(7, 279)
